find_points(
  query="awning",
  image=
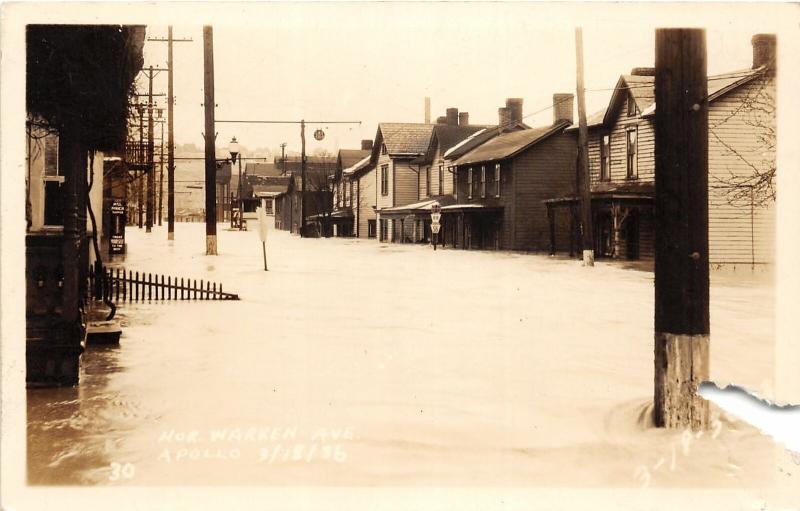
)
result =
(471, 207)
(422, 207)
(334, 215)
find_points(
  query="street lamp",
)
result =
(234, 149)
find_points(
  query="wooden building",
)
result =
(318, 208)
(741, 150)
(501, 183)
(345, 190)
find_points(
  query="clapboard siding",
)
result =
(366, 202)
(740, 229)
(405, 183)
(545, 171)
(384, 201)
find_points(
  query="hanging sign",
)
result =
(319, 134)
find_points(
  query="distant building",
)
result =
(346, 192)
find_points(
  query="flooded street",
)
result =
(338, 367)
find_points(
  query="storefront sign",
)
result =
(117, 217)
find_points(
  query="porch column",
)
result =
(617, 218)
(402, 229)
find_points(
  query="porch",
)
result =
(622, 225)
(472, 226)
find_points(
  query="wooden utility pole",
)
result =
(139, 185)
(161, 177)
(150, 160)
(584, 180)
(681, 229)
(170, 132)
(210, 138)
(302, 178)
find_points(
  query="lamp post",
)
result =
(234, 149)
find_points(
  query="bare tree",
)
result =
(757, 112)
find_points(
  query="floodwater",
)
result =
(358, 363)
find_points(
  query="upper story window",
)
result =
(454, 172)
(497, 180)
(427, 181)
(352, 197)
(631, 106)
(441, 179)
(605, 157)
(383, 149)
(53, 208)
(483, 181)
(384, 179)
(632, 167)
(469, 183)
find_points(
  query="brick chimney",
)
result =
(764, 51)
(503, 116)
(441, 120)
(562, 107)
(366, 145)
(463, 118)
(514, 106)
(452, 116)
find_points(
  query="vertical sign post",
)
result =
(436, 216)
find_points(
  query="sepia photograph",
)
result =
(399, 255)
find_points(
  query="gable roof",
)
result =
(446, 136)
(349, 157)
(642, 89)
(510, 144)
(359, 165)
(479, 137)
(403, 138)
(261, 169)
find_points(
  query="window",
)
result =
(631, 106)
(497, 180)
(483, 181)
(441, 180)
(53, 207)
(350, 199)
(469, 183)
(370, 228)
(384, 179)
(383, 149)
(605, 158)
(633, 171)
(428, 181)
(454, 172)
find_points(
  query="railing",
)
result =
(121, 285)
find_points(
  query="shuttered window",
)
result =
(469, 183)
(497, 180)
(633, 171)
(483, 181)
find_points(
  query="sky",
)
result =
(374, 63)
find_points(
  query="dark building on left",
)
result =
(79, 81)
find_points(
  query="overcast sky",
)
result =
(377, 62)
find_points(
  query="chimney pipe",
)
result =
(562, 107)
(764, 48)
(427, 110)
(463, 118)
(366, 145)
(514, 106)
(452, 116)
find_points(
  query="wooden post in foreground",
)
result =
(681, 229)
(210, 136)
